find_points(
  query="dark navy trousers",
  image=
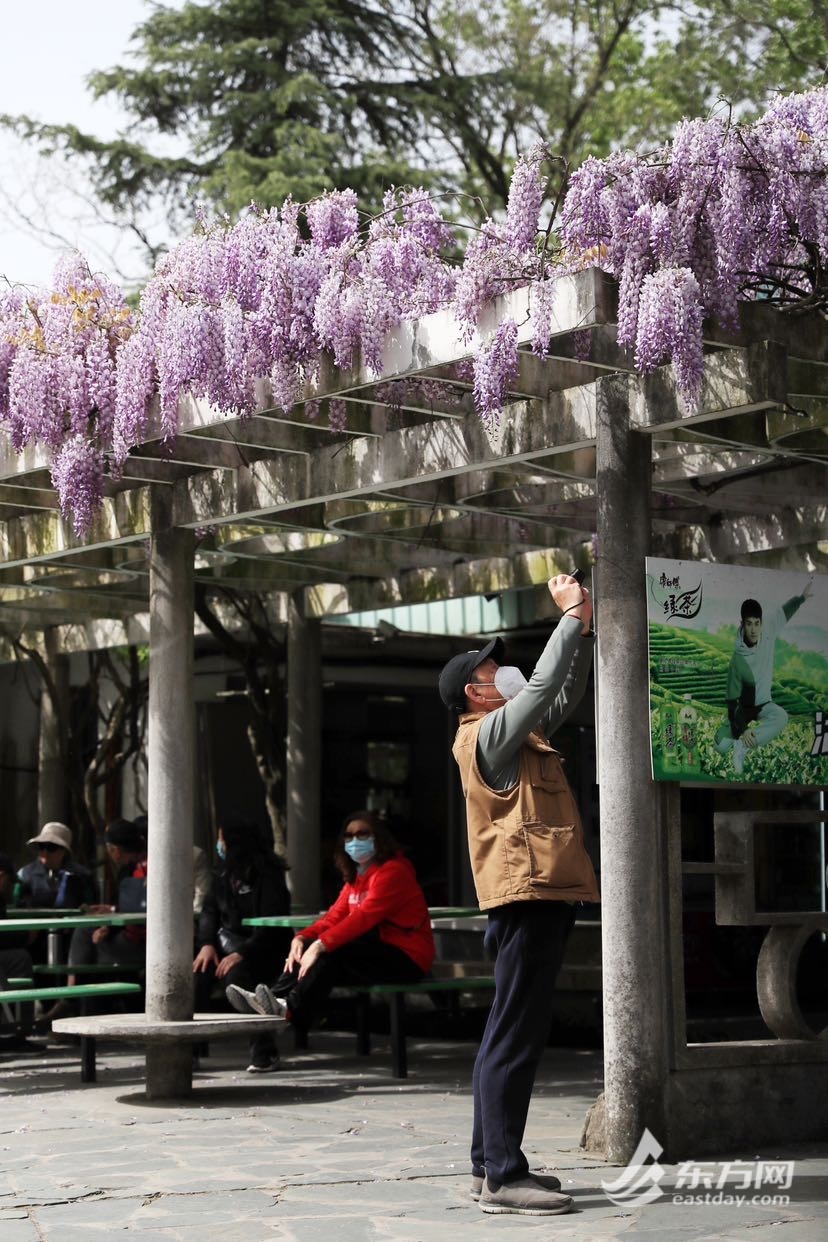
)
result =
(527, 940)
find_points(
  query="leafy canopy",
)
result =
(235, 101)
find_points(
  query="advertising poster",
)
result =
(738, 674)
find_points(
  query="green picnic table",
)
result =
(298, 921)
(58, 922)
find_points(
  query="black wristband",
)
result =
(572, 607)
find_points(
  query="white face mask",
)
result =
(509, 681)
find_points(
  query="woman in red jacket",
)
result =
(377, 931)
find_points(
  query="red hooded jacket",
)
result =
(386, 896)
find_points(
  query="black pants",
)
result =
(365, 960)
(116, 949)
(14, 963)
(528, 939)
(246, 974)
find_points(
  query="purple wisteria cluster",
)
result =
(265, 296)
(58, 363)
(725, 213)
(503, 254)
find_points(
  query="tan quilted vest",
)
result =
(525, 843)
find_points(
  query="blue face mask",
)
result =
(359, 849)
(220, 850)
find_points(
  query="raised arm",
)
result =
(549, 696)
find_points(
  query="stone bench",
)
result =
(169, 1074)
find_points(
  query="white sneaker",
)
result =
(244, 1001)
(739, 750)
(269, 1004)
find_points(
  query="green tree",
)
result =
(240, 100)
(101, 728)
(587, 77)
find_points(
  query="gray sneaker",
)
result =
(543, 1179)
(268, 1003)
(525, 1197)
(243, 1001)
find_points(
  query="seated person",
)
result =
(15, 958)
(54, 880)
(250, 882)
(114, 946)
(377, 931)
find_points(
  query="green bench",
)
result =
(91, 968)
(394, 994)
(82, 993)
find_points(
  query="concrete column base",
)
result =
(169, 1071)
(733, 1107)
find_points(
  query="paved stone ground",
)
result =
(330, 1148)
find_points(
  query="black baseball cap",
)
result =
(456, 675)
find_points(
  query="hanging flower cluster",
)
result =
(266, 295)
(503, 254)
(495, 369)
(58, 360)
(723, 214)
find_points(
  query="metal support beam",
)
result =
(634, 938)
(171, 752)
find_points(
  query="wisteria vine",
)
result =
(723, 214)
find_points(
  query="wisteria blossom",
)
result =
(77, 473)
(670, 321)
(58, 387)
(726, 213)
(723, 214)
(495, 369)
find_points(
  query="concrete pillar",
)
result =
(304, 743)
(635, 948)
(51, 781)
(171, 754)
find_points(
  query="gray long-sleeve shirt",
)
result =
(553, 692)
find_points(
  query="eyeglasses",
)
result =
(48, 847)
(361, 834)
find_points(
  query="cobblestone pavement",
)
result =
(331, 1148)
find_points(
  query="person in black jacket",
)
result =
(15, 961)
(250, 883)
